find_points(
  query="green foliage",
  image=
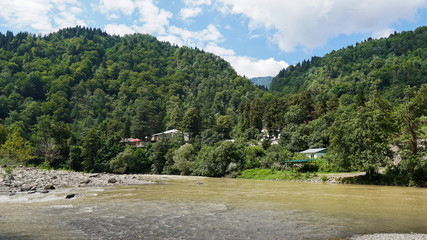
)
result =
(158, 156)
(130, 161)
(271, 174)
(67, 99)
(16, 150)
(360, 139)
(220, 160)
(184, 159)
(395, 62)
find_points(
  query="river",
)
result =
(216, 209)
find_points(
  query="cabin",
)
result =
(169, 134)
(133, 142)
(314, 153)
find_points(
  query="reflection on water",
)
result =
(217, 209)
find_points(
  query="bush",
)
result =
(214, 161)
(184, 159)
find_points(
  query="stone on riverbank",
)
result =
(69, 196)
(112, 180)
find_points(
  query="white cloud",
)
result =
(194, 3)
(118, 29)
(186, 13)
(153, 19)
(111, 7)
(193, 38)
(250, 67)
(310, 23)
(44, 16)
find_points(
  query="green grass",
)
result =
(269, 174)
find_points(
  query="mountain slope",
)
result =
(391, 63)
(83, 77)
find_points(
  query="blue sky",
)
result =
(258, 38)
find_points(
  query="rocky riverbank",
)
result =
(32, 180)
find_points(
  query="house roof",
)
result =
(315, 150)
(166, 132)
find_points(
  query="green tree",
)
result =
(184, 159)
(91, 143)
(192, 122)
(224, 125)
(16, 149)
(158, 156)
(360, 140)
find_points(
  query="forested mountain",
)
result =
(56, 88)
(67, 99)
(390, 63)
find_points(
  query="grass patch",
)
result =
(271, 174)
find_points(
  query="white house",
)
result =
(169, 134)
(314, 152)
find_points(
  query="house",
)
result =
(133, 142)
(169, 134)
(314, 152)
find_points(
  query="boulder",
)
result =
(112, 180)
(69, 196)
(49, 187)
(25, 187)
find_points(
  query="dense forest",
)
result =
(67, 99)
(390, 63)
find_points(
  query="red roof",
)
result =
(136, 140)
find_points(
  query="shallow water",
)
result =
(217, 209)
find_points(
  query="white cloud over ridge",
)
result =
(247, 66)
(310, 23)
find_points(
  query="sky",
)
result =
(258, 38)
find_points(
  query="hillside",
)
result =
(84, 76)
(70, 100)
(391, 63)
(55, 89)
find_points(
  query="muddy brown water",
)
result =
(217, 209)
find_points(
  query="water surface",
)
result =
(216, 209)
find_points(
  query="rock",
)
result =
(94, 175)
(199, 183)
(86, 181)
(9, 177)
(112, 180)
(54, 177)
(44, 191)
(49, 187)
(31, 192)
(18, 184)
(69, 196)
(25, 187)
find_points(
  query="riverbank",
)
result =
(288, 175)
(32, 180)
